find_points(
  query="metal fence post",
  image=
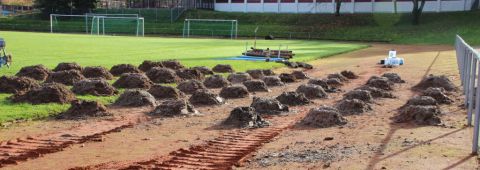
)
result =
(477, 114)
(471, 87)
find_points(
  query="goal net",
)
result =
(69, 23)
(210, 27)
(105, 25)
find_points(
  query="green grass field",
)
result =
(51, 49)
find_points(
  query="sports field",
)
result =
(51, 49)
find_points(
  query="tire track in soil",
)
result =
(22, 149)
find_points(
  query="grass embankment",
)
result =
(51, 49)
(435, 28)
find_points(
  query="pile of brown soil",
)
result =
(188, 74)
(68, 66)
(421, 115)
(394, 77)
(380, 82)
(233, 92)
(323, 117)
(291, 64)
(349, 74)
(147, 65)
(68, 77)
(190, 86)
(304, 65)
(216, 81)
(119, 69)
(165, 92)
(245, 117)
(256, 86)
(205, 98)
(300, 75)
(268, 106)
(421, 101)
(353, 106)
(293, 99)
(13, 84)
(46, 93)
(162, 75)
(84, 109)
(204, 70)
(37, 72)
(238, 77)
(172, 64)
(268, 72)
(272, 81)
(133, 80)
(334, 82)
(376, 92)
(436, 81)
(362, 95)
(172, 108)
(256, 74)
(312, 91)
(223, 68)
(319, 82)
(97, 72)
(96, 87)
(439, 94)
(135, 98)
(337, 76)
(287, 78)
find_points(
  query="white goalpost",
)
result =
(210, 27)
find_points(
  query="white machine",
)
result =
(392, 60)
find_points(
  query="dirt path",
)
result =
(378, 145)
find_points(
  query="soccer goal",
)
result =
(60, 23)
(210, 27)
(106, 25)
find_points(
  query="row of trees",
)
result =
(48, 7)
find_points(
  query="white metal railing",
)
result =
(468, 65)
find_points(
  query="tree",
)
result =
(417, 11)
(48, 7)
(475, 5)
(84, 6)
(338, 4)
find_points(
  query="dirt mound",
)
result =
(438, 94)
(162, 75)
(256, 86)
(46, 93)
(337, 76)
(204, 70)
(268, 106)
(135, 98)
(300, 75)
(272, 81)
(394, 77)
(287, 78)
(216, 81)
(188, 74)
(422, 101)
(312, 91)
(96, 87)
(205, 98)
(37, 72)
(147, 65)
(349, 74)
(97, 72)
(421, 115)
(223, 68)
(190, 86)
(353, 106)
(319, 82)
(291, 64)
(13, 84)
(268, 72)
(334, 82)
(233, 92)
(84, 109)
(362, 95)
(68, 77)
(133, 80)
(238, 77)
(436, 81)
(172, 108)
(119, 69)
(380, 82)
(256, 74)
(324, 117)
(245, 117)
(172, 64)
(165, 92)
(293, 99)
(304, 65)
(68, 66)
(376, 92)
